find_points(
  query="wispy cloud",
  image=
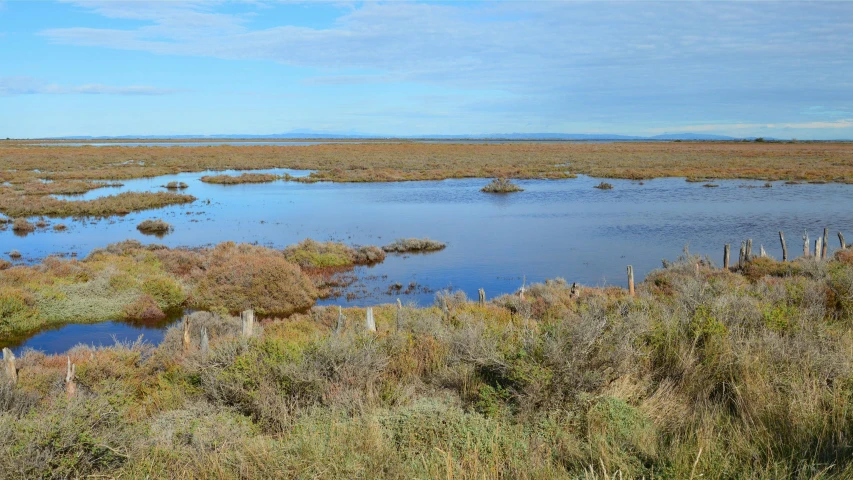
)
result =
(32, 86)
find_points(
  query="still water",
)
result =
(554, 228)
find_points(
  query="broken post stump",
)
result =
(369, 322)
(576, 291)
(726, 253)
(186, 338)
(631, 280)
(817, 248)
(742, 256)
(806, 244)
(482, 294)
(824, 243)
(339, 328)
(784, 247)
(841, 240)
(204, 344)
(70, 384)
(748, 256)
(9, 366)
(247, 318)
(763, 253)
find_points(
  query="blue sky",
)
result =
(779, 69)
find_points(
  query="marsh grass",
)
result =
(121, 204)
(238, 179)
(501, 185)
(705, 373)
(21, 225)
(604, 186)
(408, 245)
(152, 227)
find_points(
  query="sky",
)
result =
(170, 67)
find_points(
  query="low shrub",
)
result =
(158, 226)
(501, 185)
(176, 185)
(21, 225)
(402, 245)
(604, 186)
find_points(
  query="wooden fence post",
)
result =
(70, 384)
(742, 257)
(248, 320)
(841, 240)
(576, 291)
(748, 256)
(399, 315)
(204, 345)
(482, 294)
(817, 248)
(186, 339)
(726, 253)
(369, 322)
(630, 280)
(9, 366)
(806, 244)
(784, 247)
(339, 328)
(824, 243)
(763, 253)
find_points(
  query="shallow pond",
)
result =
(555, 228)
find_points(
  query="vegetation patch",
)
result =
(21, 225)
(501, 185)
(604, 186)
(237, 179)
(158, 226)
(311, 254)
(404, 245)
(176, 185)
(121, 204)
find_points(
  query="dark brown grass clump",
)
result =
(21, 225)
(151, 227)
(403, 245)
(604, 186)
(501, 185)
(176, 185)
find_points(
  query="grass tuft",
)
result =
(501, 185)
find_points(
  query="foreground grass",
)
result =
(384, 162)
(704, 374)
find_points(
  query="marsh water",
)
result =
(554, 228)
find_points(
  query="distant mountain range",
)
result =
(310, 134)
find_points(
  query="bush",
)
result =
(501, 185)
(21, 225)
(403, 245)
(316, 255)
(154, 227)
(604, 186)
(176, 185)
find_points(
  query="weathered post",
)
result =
(339, 328)
(630, 280)
(9, 366)
(445, 308)
(576, 291)
(186, 339)
(784, 247)
(247, 318)
(369, 322)
(806, 244)
(204, 345)
(824, 243)
(726, 253)
(841, 240)
(482, 294)
(523, 284)
(748, 256)
(399, 315)
(817, 249)
(742, 256)
(763, 253)
(70, 384)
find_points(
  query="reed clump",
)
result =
(152, 227)
(22, 225)
(176, 185)
(604, 186)
(406, 245)
(501, 185)
(238, 179)
(705, 373)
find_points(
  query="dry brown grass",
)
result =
(238, 179)
(351, 162)
(15, 205)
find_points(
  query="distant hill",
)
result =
(311, 134)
